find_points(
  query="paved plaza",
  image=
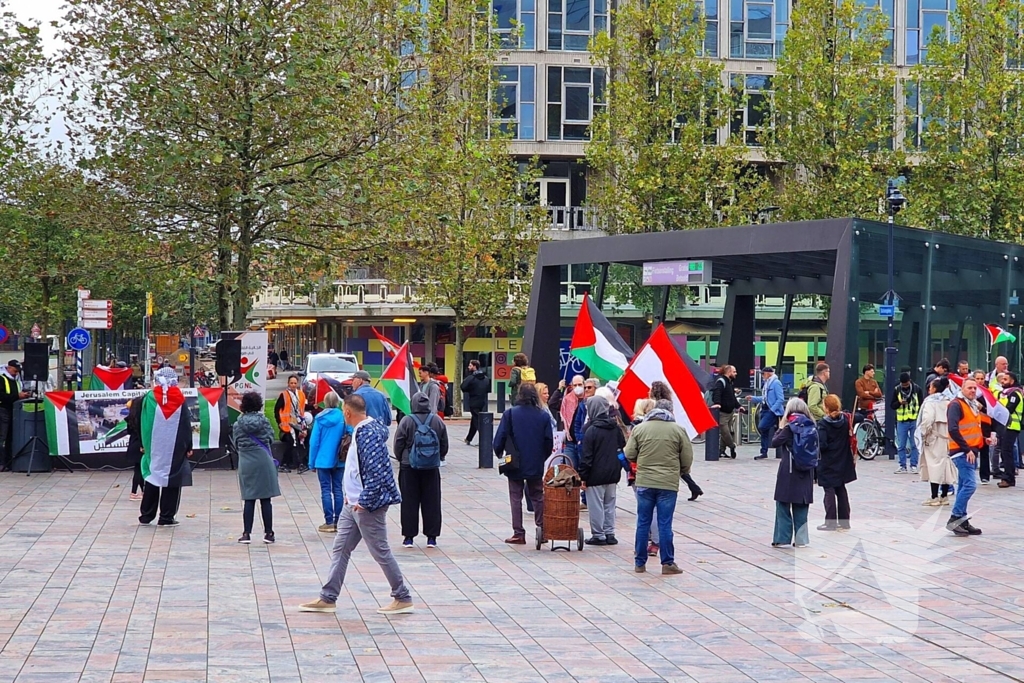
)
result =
(86, 594)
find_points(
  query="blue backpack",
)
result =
(426, 448)
(805, 444)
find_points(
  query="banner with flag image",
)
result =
(996, 410)
(597, 343)
(660, 359)
(109, 379)
(997, 335)
(399, 380)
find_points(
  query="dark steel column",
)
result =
(543, 324)
(601, 283)
(736, 343)
(784, 334)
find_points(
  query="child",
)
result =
(257, 476)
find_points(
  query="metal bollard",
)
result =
(711, 439)
(485, 429)
(501, 397)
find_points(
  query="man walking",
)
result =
(10, 393)
(1011, 398)
(906, 399)
(369, 485)
(817, 390)
(965, 417)
(723, 396)
(476, 387)
(773, 405)
(376, 405)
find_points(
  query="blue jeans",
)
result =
(652, 529)
(966, 485)
(791, 524)
(905, 442)
(572, 450)
(331, 493)
(647, 500)
(767, 426)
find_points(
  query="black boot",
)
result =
(956, 525)
(970, 528)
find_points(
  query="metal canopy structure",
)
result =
(809, 257)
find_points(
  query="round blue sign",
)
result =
(4, 334)
(79, 339)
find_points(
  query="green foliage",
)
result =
(22, 65)
(970, 174)
(656, 165)
(833, 112)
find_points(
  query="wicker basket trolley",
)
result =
(561, 509)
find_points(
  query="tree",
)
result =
(21, 67)
(243, 134)
(967, 123)
(833, 126)
(466, 240)
(655, 154)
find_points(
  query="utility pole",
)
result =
(895, 201)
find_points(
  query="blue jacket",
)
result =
(531, 431)
(329, 429)
(376, 405)
(773, 397)
(379, 487)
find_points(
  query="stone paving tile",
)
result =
(88, 595)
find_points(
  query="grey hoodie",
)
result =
(406, 432)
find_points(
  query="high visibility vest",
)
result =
(1014, 422)
(285, 417)
(970, 429)
(908, 411)
(993, 383)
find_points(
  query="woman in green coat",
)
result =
(257, 475)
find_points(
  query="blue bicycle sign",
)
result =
(79, 339)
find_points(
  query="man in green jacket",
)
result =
(662, 453)
(817, 390)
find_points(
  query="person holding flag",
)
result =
(1011, 398)
(166, 448)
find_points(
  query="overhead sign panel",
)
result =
(686, 273)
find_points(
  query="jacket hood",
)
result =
(420, 404)
(330, 417)
(251, 421)
(479, 374)
(604, 421)
(836, 423)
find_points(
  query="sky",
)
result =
(43, 11)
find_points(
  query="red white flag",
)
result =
(659, 359)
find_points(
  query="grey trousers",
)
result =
(373, 528)
(601, 506)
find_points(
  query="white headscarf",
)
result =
(166, 377)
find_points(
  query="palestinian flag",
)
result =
(598, 344)
(391, 347)
(109, 379)
(161, 412)
(997, 334)
(208, 402)
(659, 359)
(324, 386)
(61, 423)
(996, 410)
(398, 381)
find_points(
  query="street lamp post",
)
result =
(894, 201)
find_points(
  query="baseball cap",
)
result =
(14, 363)
(361, 374)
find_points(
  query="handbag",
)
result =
(343, 446)
(509, 463)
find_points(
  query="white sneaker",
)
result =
(902, 470)
(913, 470)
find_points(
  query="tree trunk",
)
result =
(460, 343)
(242, 294)
(224, 269)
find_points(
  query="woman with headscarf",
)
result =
(600, 470)
(166, 448)
(932, 436)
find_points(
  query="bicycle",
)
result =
(870, 433)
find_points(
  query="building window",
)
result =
(515, 21)
(575, 95)
(752, 94)
(572, 23)
(757, 28)
(888, 9)
(923, 18)
(1015, 42)
(924, 113)
(513, 103)
(410, 80)
(710, 28)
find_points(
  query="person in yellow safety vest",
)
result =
(906, 399)
(10, 393)
(992, 380)
(1012, 398)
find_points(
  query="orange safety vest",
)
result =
(970, 428)
(285, 415)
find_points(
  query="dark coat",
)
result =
(257, 475)
(791, 485)
(835, 465)
(723, 394)
(405, 435)
(531, 430)
(599, 462)
(476, 387)
(133, 425)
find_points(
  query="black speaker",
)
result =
(229, 357)
(36, 368)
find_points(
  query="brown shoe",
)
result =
(640, 569)
(672, 568)
(516, 540)
(396, 607)
(1003, 484)
(318, 605)
(327, 528)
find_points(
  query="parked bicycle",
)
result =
(870, 433)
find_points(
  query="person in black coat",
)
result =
(794, 488)
(838, 464)
(723, 395)
(476, 387)
(600, 469)
(527, 429)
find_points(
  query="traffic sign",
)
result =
(96, 304)
(4, 334)
(79, 339)
(887, 311)
(97, 323)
